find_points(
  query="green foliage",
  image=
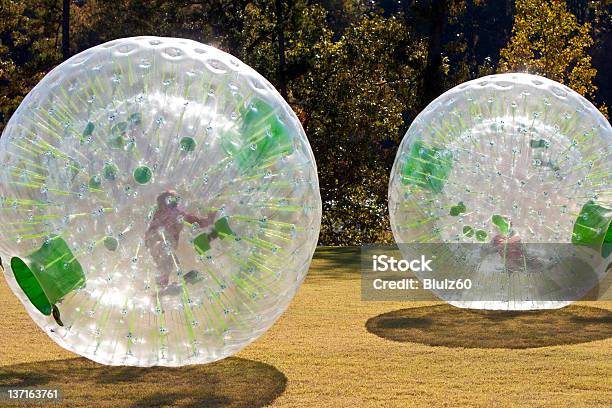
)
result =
(351, 101)
(548, 40)
(30, 38)
(349, 94)
(216, 22)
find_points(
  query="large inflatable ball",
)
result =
(159, 203)
(504, 181)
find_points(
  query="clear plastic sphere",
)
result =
(512, 172)
(159, 203)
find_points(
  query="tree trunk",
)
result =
(471, 37)
(433, 79)
(280, 32)
(66, 30)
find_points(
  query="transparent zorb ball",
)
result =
(505, 180)
(159, 203)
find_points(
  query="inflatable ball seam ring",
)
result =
(506, 180)
(159, 203)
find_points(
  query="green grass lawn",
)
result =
(332, 349)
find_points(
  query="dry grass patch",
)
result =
(322, 347)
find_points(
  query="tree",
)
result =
(280, 35)
(66, 29)
(448, 27)
(30, 35)
(215, 22)
(548, 40)
(350, 84)
(352, 102)
(433, 78)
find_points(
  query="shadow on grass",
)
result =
(233, 382)
(445, 325)
(336, 263)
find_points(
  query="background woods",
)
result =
(355, 72)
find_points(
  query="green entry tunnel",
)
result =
(47, 275)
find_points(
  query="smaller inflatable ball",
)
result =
(506, 181)
(159, 203)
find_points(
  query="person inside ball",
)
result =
(162, 236)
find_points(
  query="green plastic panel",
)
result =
(592, 227)
(427, 167)
(262, 137)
